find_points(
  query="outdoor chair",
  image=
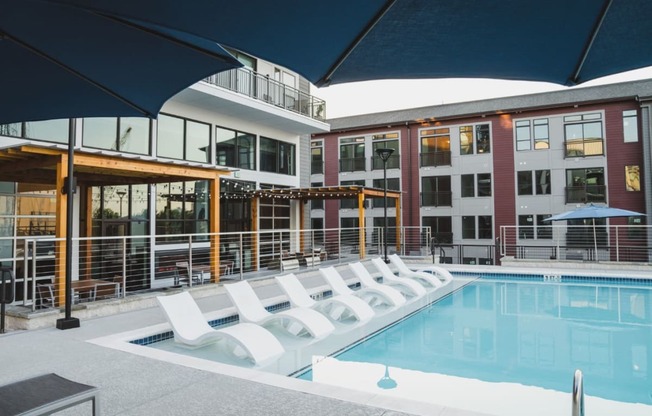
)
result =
(432, 275)
(45, 295)
(190, 328)
(106, 291)
(297, 321)
(339, 307)
(375, 296)
(183, 274)
(405, 286)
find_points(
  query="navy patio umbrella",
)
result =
(62, 61)
(559, 41)
(592, 212)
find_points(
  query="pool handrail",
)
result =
(578, 394)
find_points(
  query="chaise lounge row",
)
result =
(307, 317)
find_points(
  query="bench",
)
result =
(44, 395)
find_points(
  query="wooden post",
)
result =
(60, 233)
(214, 227)
(361, 225)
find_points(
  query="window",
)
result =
(274, 212)
(529, 131)
(632, 178)
(12, 130)
(386, 141)
(542, 178)
(471, 182)
(436, 191)
(179, 208)
(350, 203)
(485, 228)
(468, 186)
(466, 140)
(525, 227)
(234, 148)
(541, 182)
(524, 182)
(585, 185)
(125, 134)
(317, 203)
(179, 138)
(484, 184)
(393, 184)
(441, 228)
(352, 154)
(435, 147)
(277, 156)
(583, 135)
(630, 126)
(544, 228)
(316, 157)
(468, 227)
(475, 137)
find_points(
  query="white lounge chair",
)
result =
(406, 286)
(298, 321)
(373, 295)
(338, 306)
(433, 275)
(191, 328)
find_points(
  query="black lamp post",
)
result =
(121, 194)
(384, 154)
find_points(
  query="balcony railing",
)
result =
(436, 159)
(354, 164)
(262, 87)
(437, 199)
(586, 193)
(394, 162)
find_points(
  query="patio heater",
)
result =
(121, 194)
(384, 154)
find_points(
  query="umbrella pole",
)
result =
(595, 241)
(68, 322)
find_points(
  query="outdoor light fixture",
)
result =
(121, 194)
(384, 154)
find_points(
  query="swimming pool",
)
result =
(502, 340)
(475, 332)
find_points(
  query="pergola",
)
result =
(334, 192)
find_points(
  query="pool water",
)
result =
(498, 339)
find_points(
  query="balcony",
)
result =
(263, 88)
(436, 159)
(354, 164)
(586, 193)
(437, 199)
(394, 162)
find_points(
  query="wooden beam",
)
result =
(60, 233)
(214, 227)
(29, 164)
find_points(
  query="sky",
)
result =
(375, 96)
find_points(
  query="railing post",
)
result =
(190, 261)
(25, 273)
(124, 266)
(241, 259)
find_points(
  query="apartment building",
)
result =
(232, 133)
(467, 169)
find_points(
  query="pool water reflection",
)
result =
(518, 338)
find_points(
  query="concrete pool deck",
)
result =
(131, 384)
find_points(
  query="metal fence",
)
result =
(114, 267)
(262, 87)
(613, 243)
